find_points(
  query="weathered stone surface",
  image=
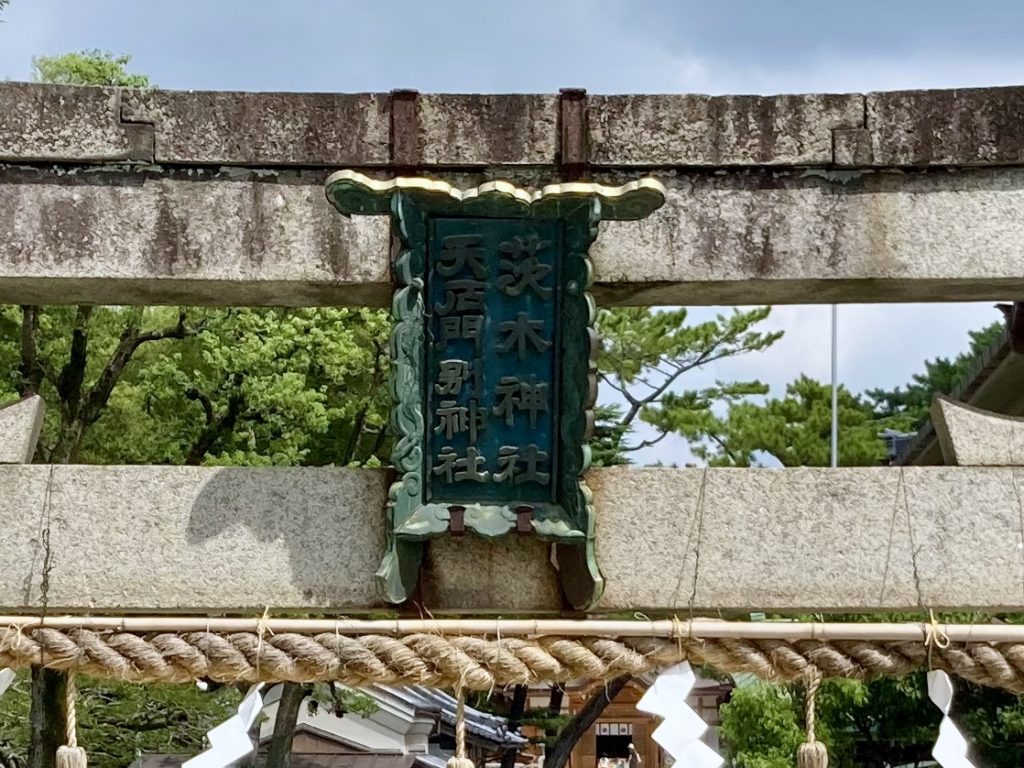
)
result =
(22, 543)
(60, 122)
(197, 539)
(235, 238)
(965, 127)
(306, 129)
(851, 148)
(176, 538)
(749, 237)
(972, 437)
(743, 237)
(20, 424)
(694, 130)
(809, 538)
(962, 127)
(468, 130)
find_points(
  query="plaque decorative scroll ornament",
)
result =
(492, 353)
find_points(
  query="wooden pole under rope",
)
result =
(46, 716)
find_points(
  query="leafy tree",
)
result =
(90, 67)
(794, 430)
(876, 724)
(644, 355)
(941, 376)
(761, 727)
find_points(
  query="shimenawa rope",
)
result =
(479, 663)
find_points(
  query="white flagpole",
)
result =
(835, 394)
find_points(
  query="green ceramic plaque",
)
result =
(492, 351)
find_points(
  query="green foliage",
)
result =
(245, 387)
(941, 375)
(257, 387)
(644, 354)
(881, 723)
(339, 701)
(795, 430)
(90, 67)
(119, 721)
(761, 727)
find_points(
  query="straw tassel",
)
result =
(71, 755)
(812, 753)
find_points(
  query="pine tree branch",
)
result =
(620, 388)
(725, 449)
(645, 443)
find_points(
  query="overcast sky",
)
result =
(610, 46)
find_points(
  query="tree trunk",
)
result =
(47, 718)
(69, 441)
(558, 755)
(280, 751)
(515, 716)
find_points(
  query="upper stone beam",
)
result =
(966, 127)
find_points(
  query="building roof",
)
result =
(994, 384)
(482, 726)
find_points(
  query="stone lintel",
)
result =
(953, 127)
(962, 127)
(239, 237)
(187, 539)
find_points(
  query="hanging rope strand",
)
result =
(812, 753)
(460, 760)
(71, 755)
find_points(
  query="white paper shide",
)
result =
(230, 740)
(681, 728)
(950, 749)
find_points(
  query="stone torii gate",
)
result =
(113, 196)
(161, 197)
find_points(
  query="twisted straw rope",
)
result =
(479, 663)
